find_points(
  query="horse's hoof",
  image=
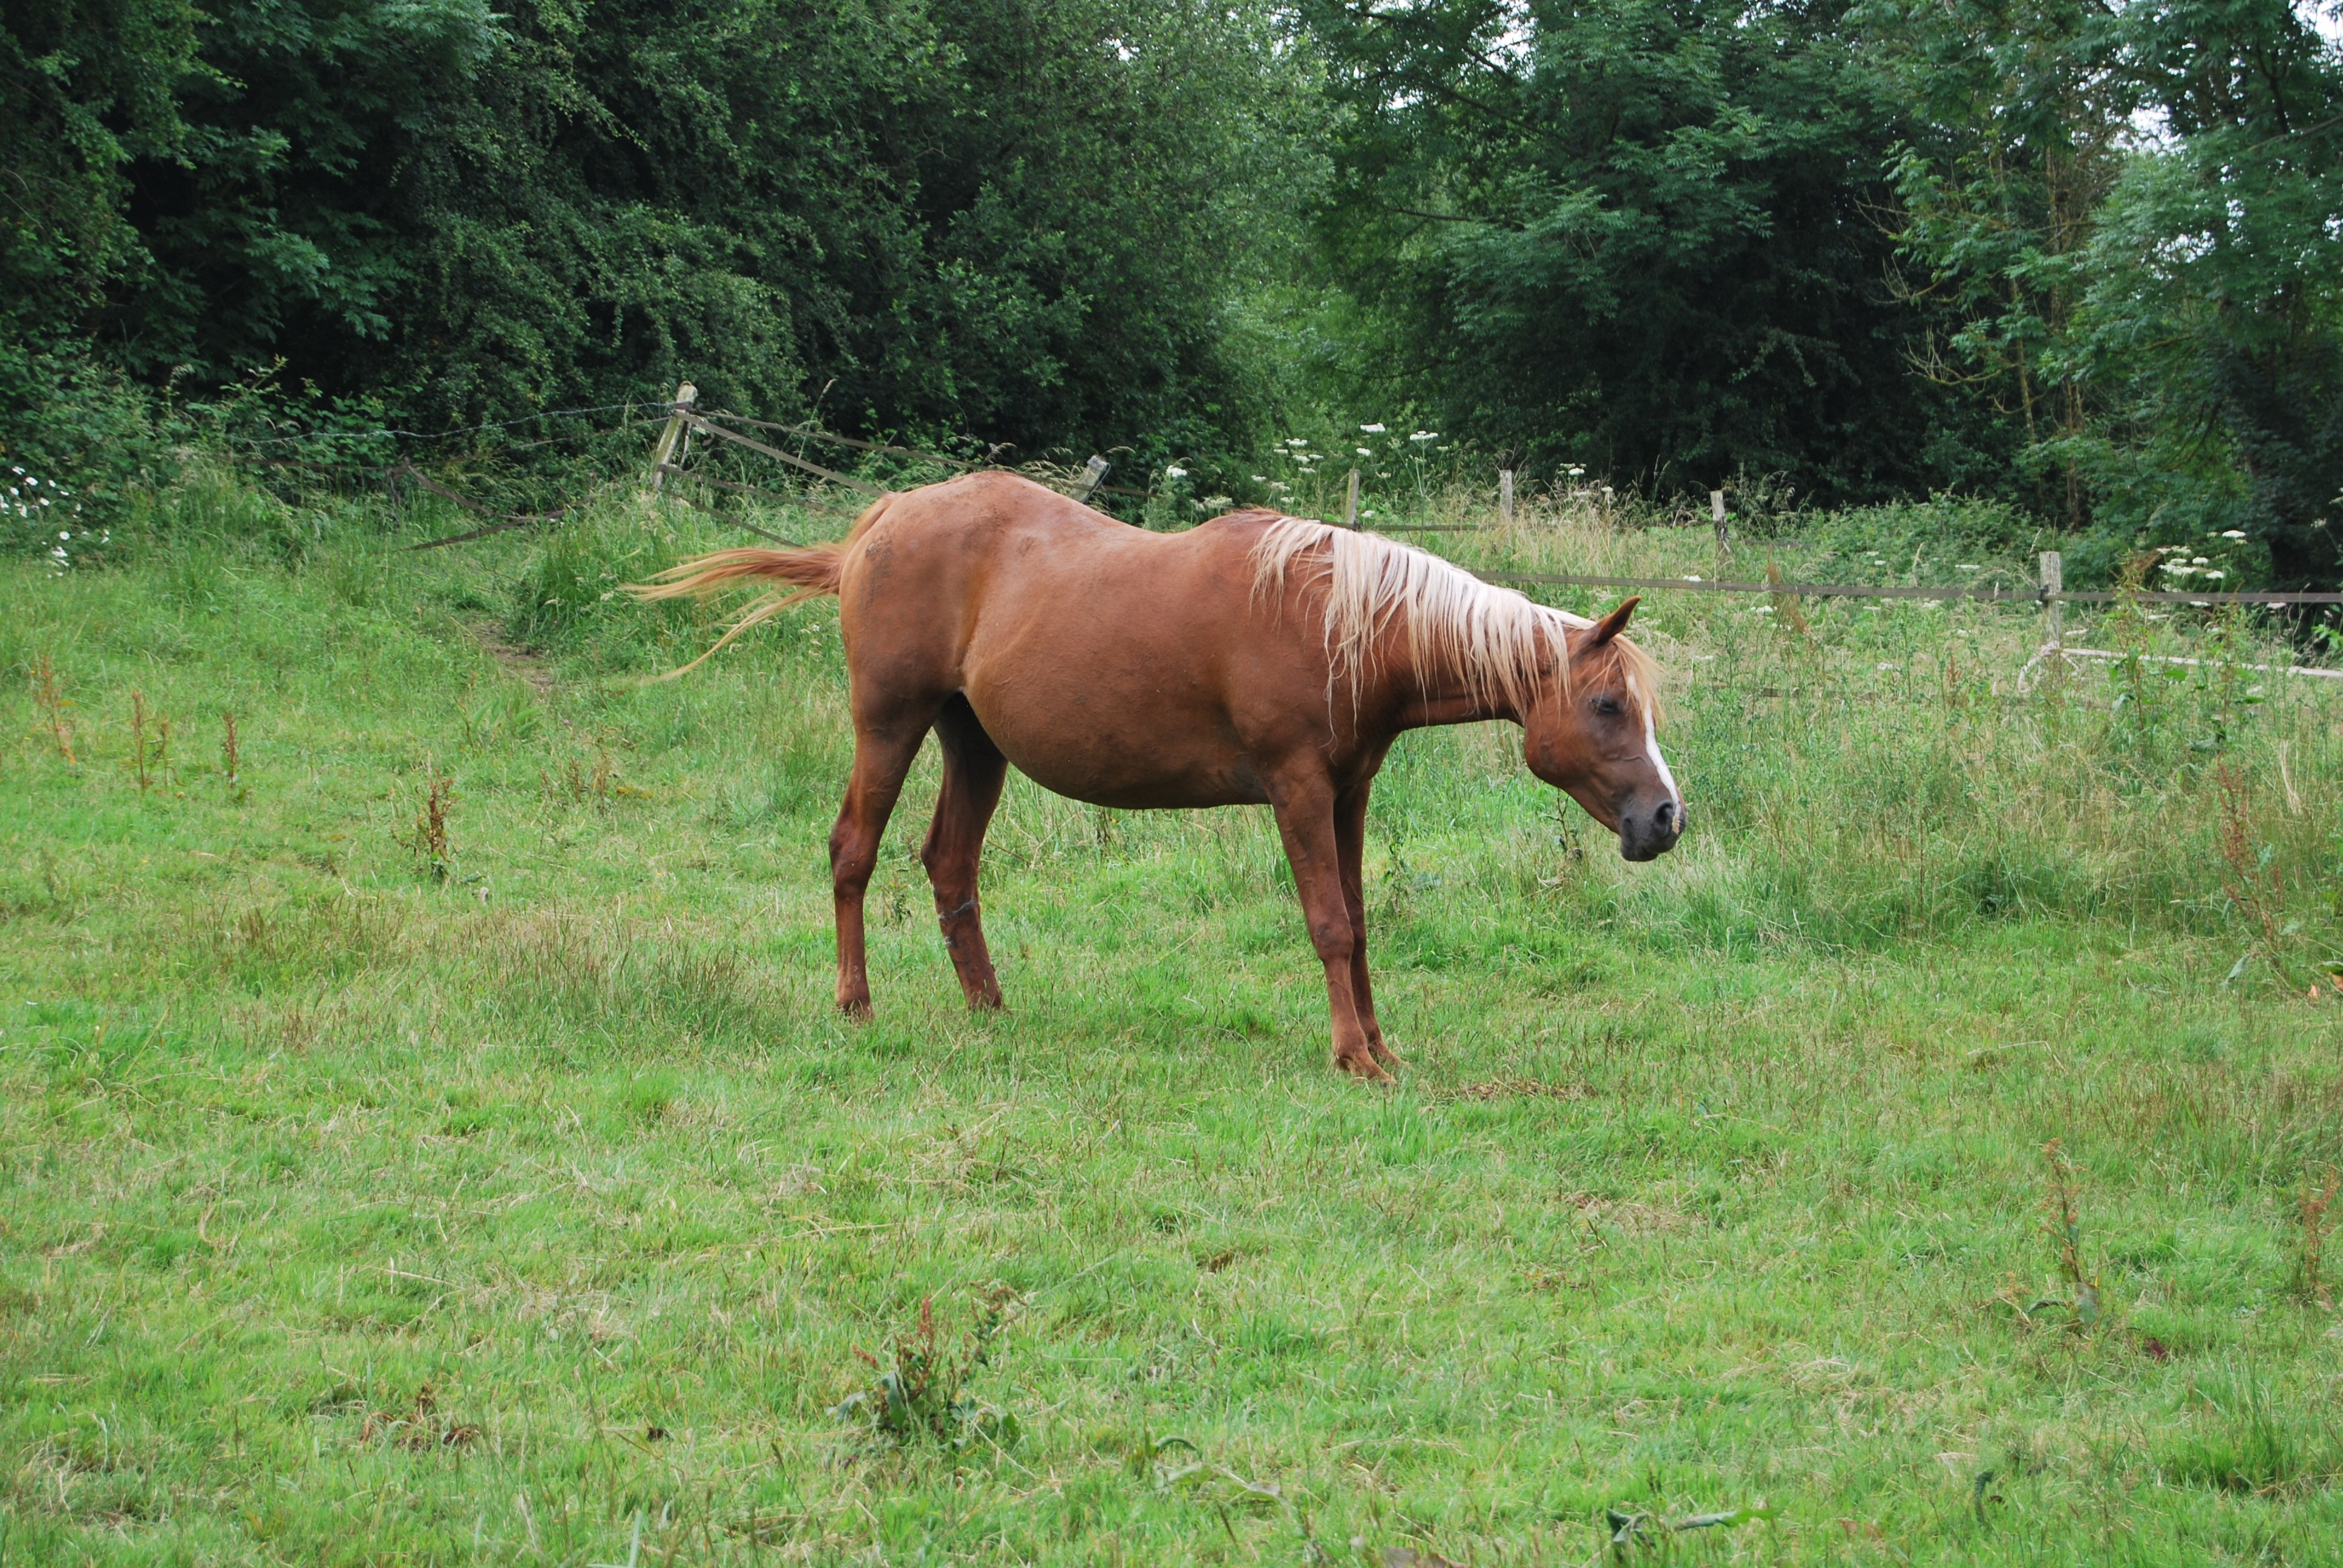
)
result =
(856, 1010)
(1386, 1054)
(1364, 1067)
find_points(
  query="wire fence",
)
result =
(655, 410)
(682, 418)
(2043, 595)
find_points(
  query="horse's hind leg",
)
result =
(883, 753)
(1349, 848)
(973, 771)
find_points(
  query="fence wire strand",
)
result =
(701, 420)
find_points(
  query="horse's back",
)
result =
(1001, 551)
(1107, 662)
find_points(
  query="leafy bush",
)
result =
(1027, 218)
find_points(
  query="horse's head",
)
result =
(1591, 732)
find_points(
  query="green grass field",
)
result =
(522, 1201)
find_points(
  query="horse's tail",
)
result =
(814, 569)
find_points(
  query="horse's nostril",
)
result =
(1665, 817)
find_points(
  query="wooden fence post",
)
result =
(1351, 501)
(1504, 498)
(664, 453)
(1716, 515)
(1093, 473)
(2053, 587)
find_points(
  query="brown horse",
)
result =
(1255, 660)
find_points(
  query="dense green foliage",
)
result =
(995, 215)
(2082, 258)
(1644, 235)
(2214, 311)
(2168, 316)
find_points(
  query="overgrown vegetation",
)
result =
(1028, 218)
(545, 1210)
(2078, 259)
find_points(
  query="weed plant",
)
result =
(541, 1210)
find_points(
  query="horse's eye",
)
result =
(1608, 707)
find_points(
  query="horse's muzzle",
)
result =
(1648, 835)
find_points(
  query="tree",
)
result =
(91, 87)
(2213, 310)
(2019, 136)
(1026, 219)
(1641, 234)
(2137, 211)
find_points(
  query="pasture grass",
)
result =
(504, 1190)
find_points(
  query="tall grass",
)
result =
(1873, 771)
(514, 1195)
(1864, 772)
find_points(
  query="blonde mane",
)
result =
(1504, 643)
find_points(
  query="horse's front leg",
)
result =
(1349, 848)
(1305, 820)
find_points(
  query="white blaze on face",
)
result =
(1651, 749)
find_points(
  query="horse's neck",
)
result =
(1443, 693)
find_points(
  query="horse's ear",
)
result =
(1612, 625)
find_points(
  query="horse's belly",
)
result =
(1237, 785)
(1127, 752)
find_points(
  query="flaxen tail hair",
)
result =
(814, 569)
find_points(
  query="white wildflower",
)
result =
(1374, 429)
(1170, 473)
